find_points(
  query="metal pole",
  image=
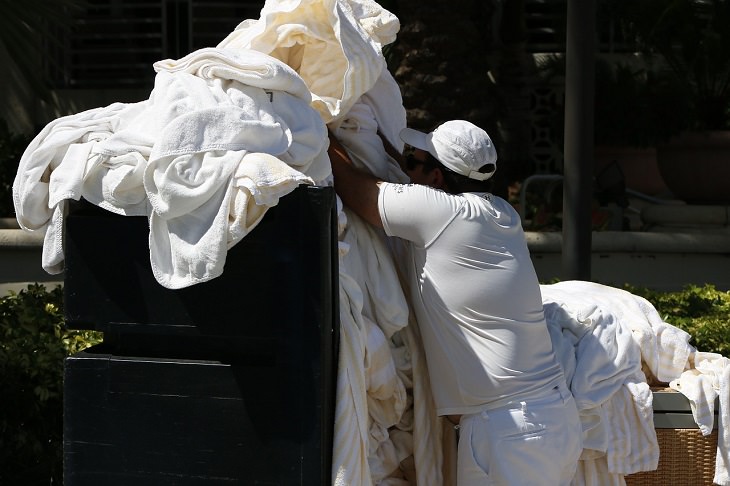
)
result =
(578, 163)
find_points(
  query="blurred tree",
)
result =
(464, 59)
(24, 28)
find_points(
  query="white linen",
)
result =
(626, 417)
(31, 191)
(246, 66)
(351, 427)
(606, 376)
(335, 46)
(176, 159)
(707, 380)
(381, 310)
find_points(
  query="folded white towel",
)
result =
(246, 66)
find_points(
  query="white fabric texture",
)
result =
(334, 45)
(516, 443)
(619, 433)
(475, 296)
(706, 381)
(186, 158)
(604, 375)
(182, 159)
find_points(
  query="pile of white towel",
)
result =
(610, 343)
(228, 131)
(223, 135)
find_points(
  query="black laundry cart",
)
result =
(230, 381)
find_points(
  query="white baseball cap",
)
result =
(459, 145)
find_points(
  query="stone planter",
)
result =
(696, 166)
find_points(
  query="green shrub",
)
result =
(702, 311)
(33, 345)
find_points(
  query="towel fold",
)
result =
(335, 46)
(246, 66)
(706, 380)
(606, 377)
(44, 155)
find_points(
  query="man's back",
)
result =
(475, 294)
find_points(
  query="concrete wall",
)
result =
(20, 260)
(662, 261)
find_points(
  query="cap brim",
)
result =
(416, 139)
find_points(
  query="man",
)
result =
(477, 302)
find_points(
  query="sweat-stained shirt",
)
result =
(475, 296)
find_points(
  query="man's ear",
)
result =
(436, 179)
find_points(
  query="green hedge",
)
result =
(33, 345)
(702, 311)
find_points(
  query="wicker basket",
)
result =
(686, 457)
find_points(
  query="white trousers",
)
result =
(532, 442)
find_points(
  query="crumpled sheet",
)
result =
(383, 382)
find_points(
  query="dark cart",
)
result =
(230, 381)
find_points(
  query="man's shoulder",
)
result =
(421, 199)
(485, 198)
(419, 190)
(496, 206)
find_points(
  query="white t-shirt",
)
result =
(475, 295)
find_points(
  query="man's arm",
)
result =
(357, 189)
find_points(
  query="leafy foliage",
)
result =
(702, 311)
(634, 105)
(33, 345)
(692, 39)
